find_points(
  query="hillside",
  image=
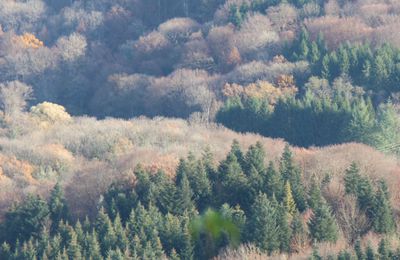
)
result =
(199, 129)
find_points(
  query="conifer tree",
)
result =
(93, 247)
(370, 253)
(314, 197)
(237, 151)
(183, 195)
(273, 182)
(233, 181)
(74, 248)
(325, 67)
(383, 220)
(57, 206)
(358, 250)
(255, 158)
(351, 179)
(322, 225)
(292, 174)
(288, 201)
(122, 240)
(285, 233)
(384, 250)
(105, 231)
(263, 227)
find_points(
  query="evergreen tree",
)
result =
(325, 68)
(105, 231)
(291, 173)
(263, 226)
(383, 250)
(359, 252)
(73, 248)
(288, 201)
(383, 220)
(315, 197)
(255, 158)
(183, 195)
(234, 182)
(25, 220)
(57, 206)
(273, 182)
(352, 178)
(285, 233)
(122, 240)
(370, 253)
(322, 225)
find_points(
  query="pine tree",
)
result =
(183, 195)
(315, 197)
(325, 68)
(57, 206)
(314, 55)
(288, 201)
(273, 182)
(26, 219)
(351, 179)
(362, 121)
(233, 181)
(5, 251)
(105, 231)
(237, 151)
(263, 228)
(291, 173)
(73, 248)
(285, 233)
(370, 253)
(122, 240)
(93, 247)
(255, 158)
(383, 220)
(322, 225)
(359, 252)
(201, 186)
(344, 62)
(384, 250)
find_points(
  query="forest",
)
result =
(199, 129)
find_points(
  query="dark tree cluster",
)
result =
(158, 216)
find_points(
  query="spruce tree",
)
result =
(370, 253)
(273, 182)
(384, 250)
(383, 219)
(292, 174)
(263, 226)
(288, 201)
(322, 225)
(57, 206)
(233, 181)
(285, 232)
(105, 231)
(314, 197)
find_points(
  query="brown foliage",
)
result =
(336, 30)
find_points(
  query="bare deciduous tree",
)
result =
(13, 97)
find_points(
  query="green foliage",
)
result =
(262, 226)
(25, 220)
(166, 221)
(322, 225)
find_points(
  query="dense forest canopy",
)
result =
(114, 139)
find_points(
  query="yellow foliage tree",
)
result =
(29, 40)
(288, 200)
(49, 113)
